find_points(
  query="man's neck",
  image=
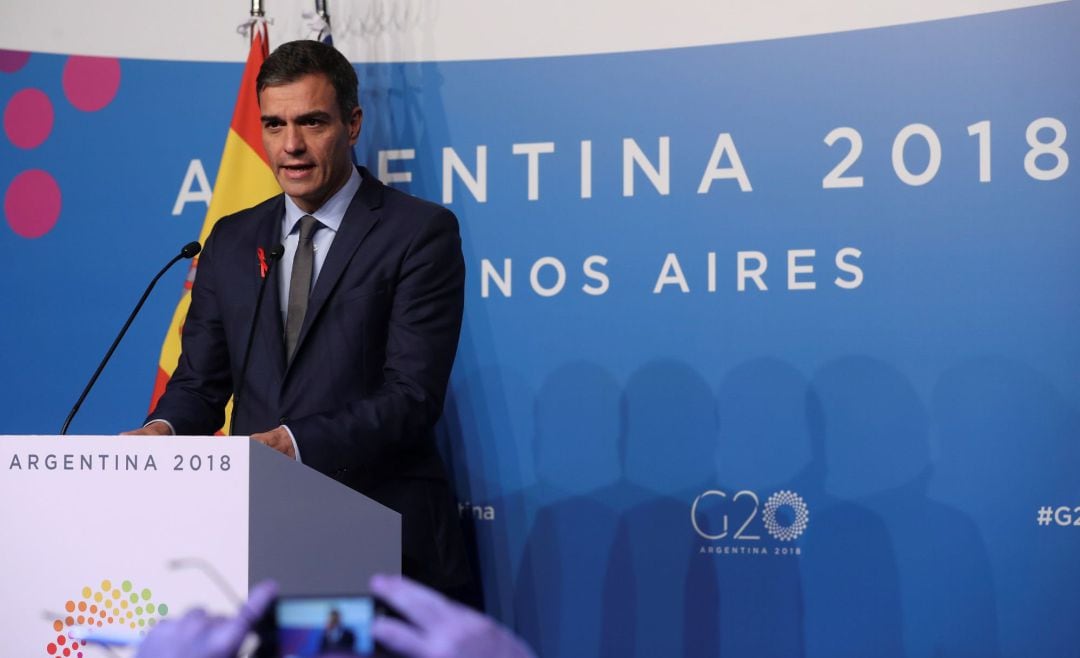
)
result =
(312, 208)
(325, 204)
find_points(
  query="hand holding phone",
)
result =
(433, 625)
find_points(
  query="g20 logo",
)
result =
(789, 506)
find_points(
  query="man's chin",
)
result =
(296, 191)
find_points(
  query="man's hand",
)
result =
(439, 627)
(153, 428)
(278, 439)
(198, 635)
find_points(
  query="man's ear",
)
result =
(355, 119)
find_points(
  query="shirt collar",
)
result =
(330, 213)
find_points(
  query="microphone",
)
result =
(267, 269)
(189, 251)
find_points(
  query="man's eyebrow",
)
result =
(317, 114)
(320, 115)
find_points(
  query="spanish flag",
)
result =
(243, 180)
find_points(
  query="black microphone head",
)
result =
(277, 252)
(191, 249)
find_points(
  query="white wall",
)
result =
(426, 30)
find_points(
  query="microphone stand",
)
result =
(189, 251)
(274, 256)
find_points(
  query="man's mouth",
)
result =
(295, 171)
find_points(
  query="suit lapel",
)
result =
(359, 219)
(270, 329)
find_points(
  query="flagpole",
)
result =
(321, 22)
(257, 9)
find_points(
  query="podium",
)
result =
(122, 532)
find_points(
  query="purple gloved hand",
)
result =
(199, 635)
(440, 628)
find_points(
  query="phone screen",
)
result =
(323, 626)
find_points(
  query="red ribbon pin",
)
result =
(263, 267)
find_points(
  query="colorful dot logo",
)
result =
(32, 201)
(117, 607)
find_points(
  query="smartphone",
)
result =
(303, 626)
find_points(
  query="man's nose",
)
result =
(294, 140)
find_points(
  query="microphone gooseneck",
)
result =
(274, 256)
(189, 251)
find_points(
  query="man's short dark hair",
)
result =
(295, 59)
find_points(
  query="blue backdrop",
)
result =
(880, 465)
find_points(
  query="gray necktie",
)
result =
(300, 284)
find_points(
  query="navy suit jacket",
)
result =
(369, 376)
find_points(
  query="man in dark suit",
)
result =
(357, 334)
(336, 637)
